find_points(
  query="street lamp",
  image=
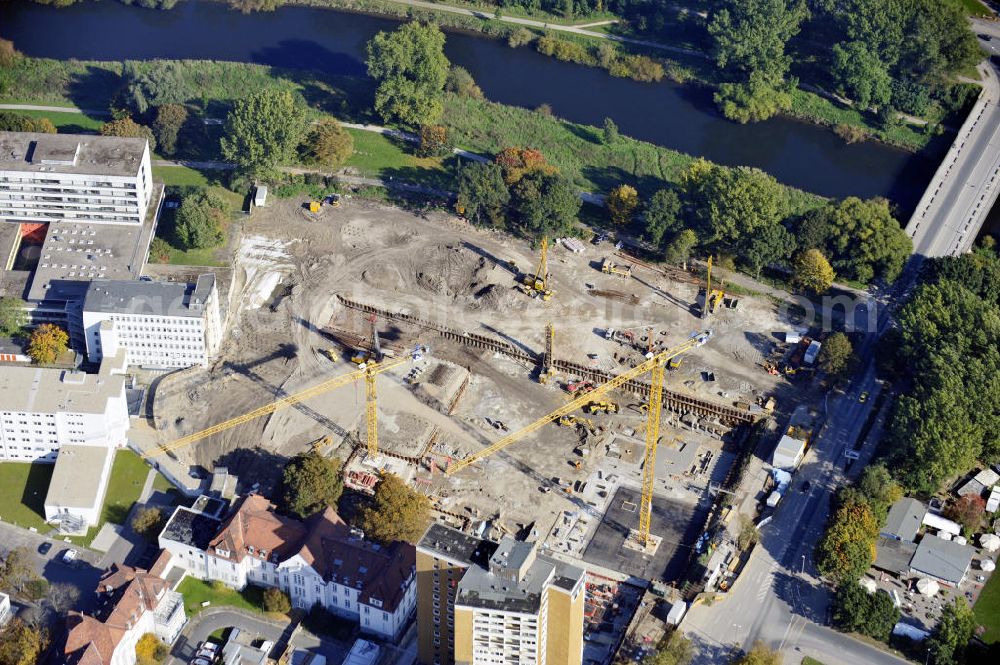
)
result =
(803, 571)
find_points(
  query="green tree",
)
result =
(812, 272)
(13, 316)
(276, 600)
(397, 513)
(461, 83)
(199, 220)
(15, 122)
(328, 144)
(680, 247)
(47, 342)
(767, 244)
(482, 194)
(836, 354)
(729, 205)
(544, 204)
(672, 649)
(759, 654)
(621, 204)
(263, 131)
(434, 141)
(128, 128)
(753, 100)
(878, 489)
(170, 119)
(9, 56)
(21, 644)
(857, 611)
(310, 483)
(610, 132)
(159, 251)
(249, 6)
(662, 215)
(411, 69)
(847, 548)
(949, 641)
(860, 75)
(148, 522)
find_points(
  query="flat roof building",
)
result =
(479, 601)
(943, 560)
(74, 178)
(77, 488)
(158, 324)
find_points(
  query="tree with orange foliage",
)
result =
(47, 342)
(517, 162)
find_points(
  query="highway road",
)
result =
(950, 214)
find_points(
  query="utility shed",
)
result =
(788, 453)
(260, 196)
(904, 519)
(943, 560)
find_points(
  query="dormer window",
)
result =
(250, 549)
(222, 552)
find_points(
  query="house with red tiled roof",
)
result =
(322, 560)
(132, 603)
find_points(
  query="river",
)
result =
(797, 153)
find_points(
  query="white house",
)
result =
(75, 178)
(77, 488)
(43, 408)
(132, 603)
(6, 614)
(158, 324)
(320, 561)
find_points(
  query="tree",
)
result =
(159, 251)
(759, 654)
(148, 522)
(517, 162)
(170, 118)
(150, 650)
(398, 512)
(482, 194)
(680, 247)
(968, 511)
(21, 644)
(128, 128)
(16, 569)
(13, 316)
(857, 611)
(200, 219)
(276, 600)
(766, 245)
(310, 483)
(8, 54)
(461, 83)
(950, 638)
(860, 75)
(263, 130)
(847, 548)
(14, 122)
(662, 215)
(753, 100)
(328, 144)
(672, 649)
(728, 205)
(836, 354)
(610, 132)
(62, 597)
(812, 272)
(249, 6)
(878, 489)
(410, 69)
(47, 343)
(544, 204)
(434, 141)
(621, 204)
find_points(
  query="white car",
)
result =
(69, 556)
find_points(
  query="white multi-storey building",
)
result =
(43, 408)
(158, 324)
(321, 561)
(74, 178)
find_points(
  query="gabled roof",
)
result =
(255, 529)
(904, 519)
(942, 559)
(89, 641)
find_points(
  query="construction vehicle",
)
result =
(601, 407)
(582, 386)
(655, 366)
(314, 206)
(674, 363)
(535, 285)
(573, 421)
(610, 268)
(709, 299)
(547, 369)
(770, 367)
(321, 444)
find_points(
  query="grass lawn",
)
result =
(972, 7)
(22, 494)
(987, 609)
(181, 176)
(376, 155)
(67, 123)
(810, 661)
(196, 592)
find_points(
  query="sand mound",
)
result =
(497, 298)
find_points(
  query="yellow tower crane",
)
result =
(653, 365)
(369, 372)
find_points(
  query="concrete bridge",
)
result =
(964, 188)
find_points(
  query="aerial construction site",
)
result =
(466, 363)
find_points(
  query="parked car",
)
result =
(44, 547)
(201, 661)
(69, 556)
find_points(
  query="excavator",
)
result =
(536, 285)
